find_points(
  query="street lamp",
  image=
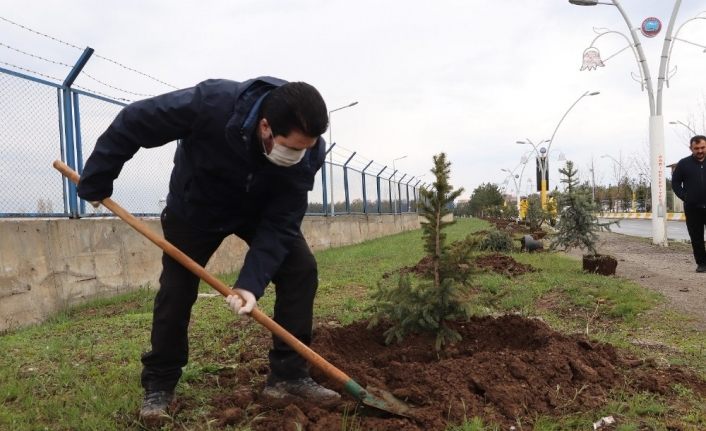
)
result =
(693, 132)
(518, 183)
(394, 173)
(517, 179)
(542, 158)
(330, 143)
(656, 120)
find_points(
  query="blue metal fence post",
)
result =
(389, 191)
(378, 184)
(365, 192)
(79, 145)
(64, 181)
(406, 187)
(415, 192)
(399, 193)
(324, 185)
(345, 184)
(69, 131)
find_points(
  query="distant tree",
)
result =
(535, 216)
(510, 212)
(484, 198)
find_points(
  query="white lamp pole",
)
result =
(656, 120)
(518, 178)
(330, 142)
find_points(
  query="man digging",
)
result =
(246, 159)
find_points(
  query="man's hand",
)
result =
(237, 305)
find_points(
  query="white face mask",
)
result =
(283, 156)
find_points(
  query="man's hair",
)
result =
(295, 106)
(696, 139)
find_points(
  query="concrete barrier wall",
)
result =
(48, 265)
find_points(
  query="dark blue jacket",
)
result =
(221, 181)
(689, 182)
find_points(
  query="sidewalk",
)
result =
(667, 270)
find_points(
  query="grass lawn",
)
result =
(80, 371)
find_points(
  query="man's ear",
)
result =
(264, 127)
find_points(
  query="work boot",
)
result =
(155, 405)
(701, 268)
(305, 388)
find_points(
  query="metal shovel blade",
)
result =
(378, 399)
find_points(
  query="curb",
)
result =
(670, 216)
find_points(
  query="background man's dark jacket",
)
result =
(221, 182)
(689, 182)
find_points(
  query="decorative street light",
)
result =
(518, 178)
(542, 158)
(330, 142)
(693, 132)
(650, 27)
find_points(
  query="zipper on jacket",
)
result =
(247, 183)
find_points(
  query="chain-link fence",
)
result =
(41, 121)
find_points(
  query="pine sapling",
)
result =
(578, 225)
(427, 305)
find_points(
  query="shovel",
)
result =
(370, 396)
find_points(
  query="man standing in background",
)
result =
(689, 184)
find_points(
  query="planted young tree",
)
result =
(429, 304)
(578, 225)
(535, 215)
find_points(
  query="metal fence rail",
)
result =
(41, 121)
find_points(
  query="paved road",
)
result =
(643, 227)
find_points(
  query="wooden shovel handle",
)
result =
(314, 358)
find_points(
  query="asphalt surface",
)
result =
(676, 230)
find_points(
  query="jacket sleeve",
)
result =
(677, 182)
(144, 124)
(280, 224)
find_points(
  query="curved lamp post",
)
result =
(656, 120)
(543, 153)
(693, 132)
(517, 179)
(330, 142)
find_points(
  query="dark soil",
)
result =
(504, 369)
(503, 264)
(509, 226)
(423, 268)
(600, 264)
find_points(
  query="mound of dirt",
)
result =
(503, 264)
(504, 368)
(509, 226)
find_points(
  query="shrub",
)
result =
(499, 241)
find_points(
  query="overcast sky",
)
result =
(468, 78)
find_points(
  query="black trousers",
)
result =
(695, 221)
(295, 287)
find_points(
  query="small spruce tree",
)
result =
(426, 305)
(578, 226)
